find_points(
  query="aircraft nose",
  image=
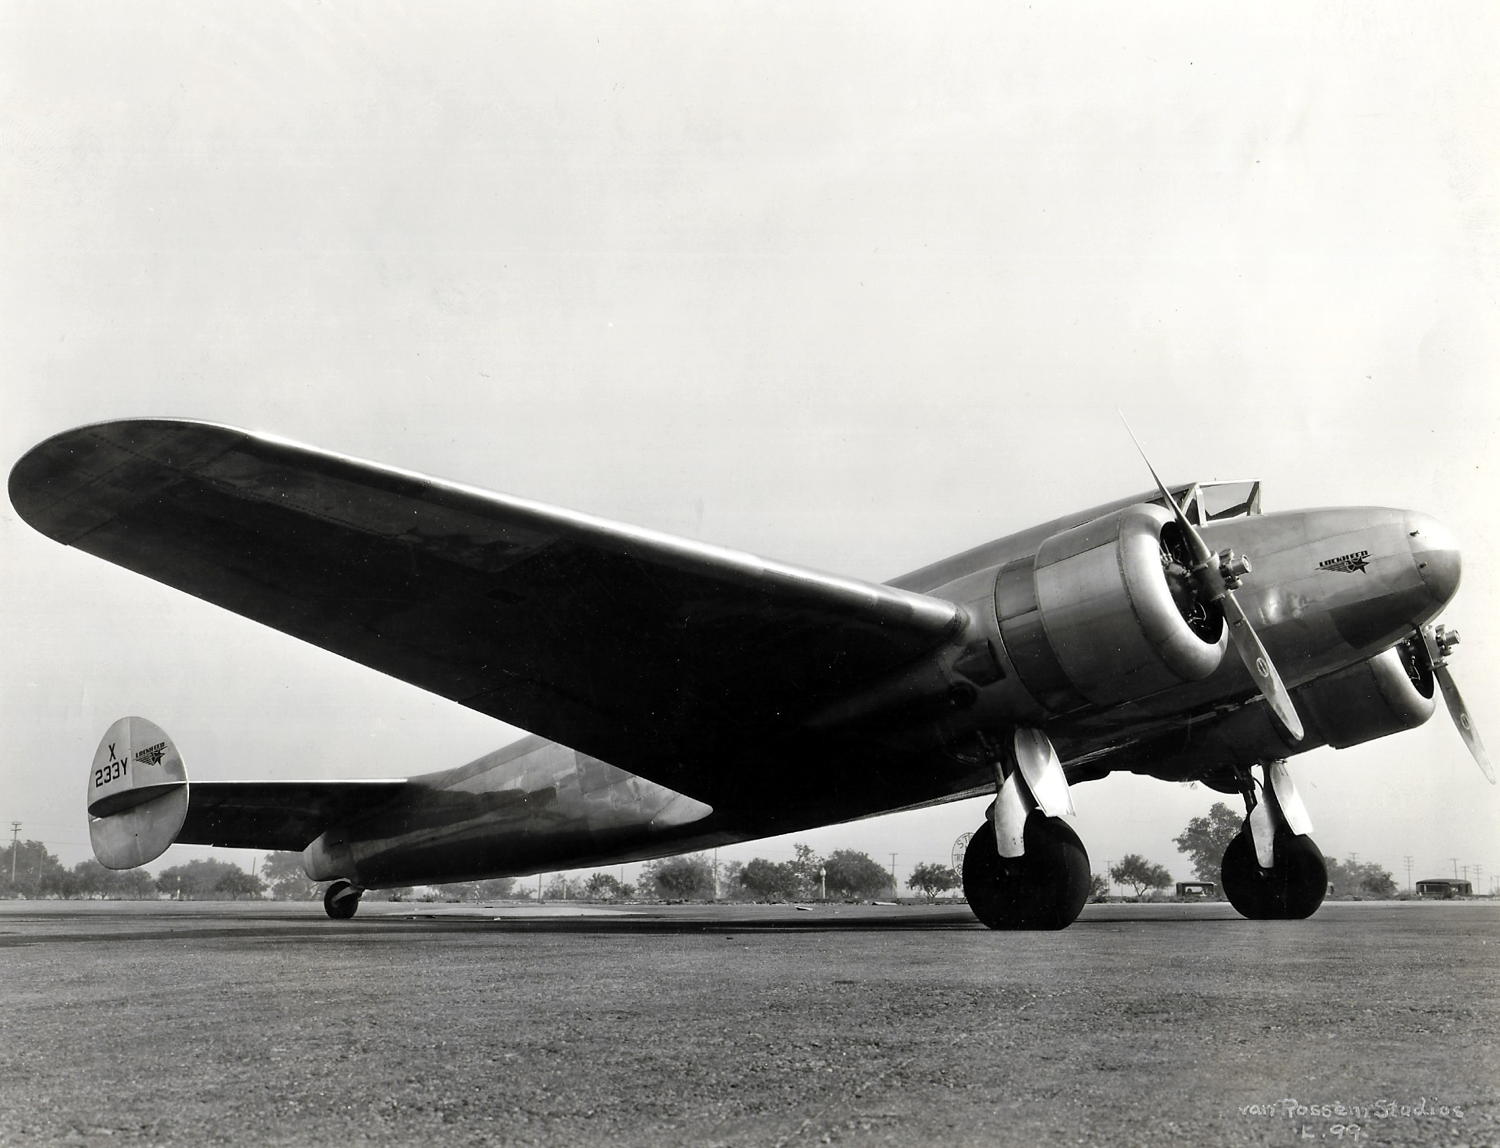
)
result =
(1436, 555)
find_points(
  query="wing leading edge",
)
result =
(655, 653)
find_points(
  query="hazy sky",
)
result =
(854, 286)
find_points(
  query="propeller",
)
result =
(1439, 641)
(1217, 577)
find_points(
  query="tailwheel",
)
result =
(341, 900)
(1044, 888)
(1290, 890)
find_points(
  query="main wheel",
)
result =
(341, 900)
(1045, 888)
(1290, 890)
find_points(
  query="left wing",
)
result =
(657, 654)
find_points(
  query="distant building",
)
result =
(1444, 887)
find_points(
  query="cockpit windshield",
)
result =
(1210, 501)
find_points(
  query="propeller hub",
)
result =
(1234, 567)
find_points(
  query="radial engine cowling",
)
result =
(1106, 613)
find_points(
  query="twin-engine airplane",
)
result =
(696, 696)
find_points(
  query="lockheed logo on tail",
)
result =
(152, 754)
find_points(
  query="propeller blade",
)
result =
(1460, 714)
(1242, 634)
(1248, 645)
(1200, 549)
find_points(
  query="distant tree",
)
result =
(198, 880)
(932, 879)
(1378, 884)
(395, 893)
(770, 880)
(730, 888)
(135, 885)
(237, 883)
(1098, 887)
(285, 878)
(557, 889)
(604, 887)
(689, 878)
(854, 874)
(1205, 839)
(494, 888)
(806, 864)
(1140, 874)
(91, 879)
(1356, 879)
(37, 872)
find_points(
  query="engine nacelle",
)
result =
(1095, 619)
(1391, 692)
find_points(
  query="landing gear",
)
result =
(1025, 868)
(1273, 870)
(1044, 888)
(1290, 890)
(342, 900)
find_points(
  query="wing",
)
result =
(654, 653)
(276, 814)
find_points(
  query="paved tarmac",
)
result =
(267, 1024)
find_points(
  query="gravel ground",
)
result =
(252, 1024)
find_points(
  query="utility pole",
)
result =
(1455, 867)
(1407, 859)
(15, 832)
(895, 888)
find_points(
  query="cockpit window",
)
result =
(1229, 499)
(1210, 501)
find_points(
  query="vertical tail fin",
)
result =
(137, 794)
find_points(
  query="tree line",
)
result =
(844, 874)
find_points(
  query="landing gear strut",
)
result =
(1272, 870)
(1025, 868)
(341, 900)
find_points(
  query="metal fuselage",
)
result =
(1330, 589)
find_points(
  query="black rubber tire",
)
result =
(1291, 890)
(1045, 888)
(341, 900)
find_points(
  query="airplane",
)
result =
(681, 696)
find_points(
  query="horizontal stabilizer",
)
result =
(139, 802)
